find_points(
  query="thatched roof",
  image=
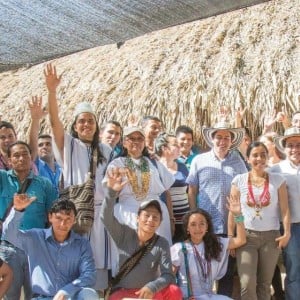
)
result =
(35, 31)
(249, 57)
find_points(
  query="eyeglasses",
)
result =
(290, 146)
(135, 140)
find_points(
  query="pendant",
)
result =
(257, 209)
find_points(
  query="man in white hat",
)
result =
(290, 169)
(210, 179)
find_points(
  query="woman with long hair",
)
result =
(202, 258)
(264, 202)
(74, 152)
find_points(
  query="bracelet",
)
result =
(239, 219)
(229, 235)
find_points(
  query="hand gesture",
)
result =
(114, 179)
(239, 115)
(21, 201)
(281, 115)
(223, 113)
(36, 108)
(234, 205)
(133, 120)
(145, 293)
(52, 80)
(270, 120)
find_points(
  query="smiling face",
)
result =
(185, 143)
(222, 142)
(258, 158)
(292, 149)
(149, 220)
(135, 144)
(111, 135)
(197, 227)
(85, 126)
(152, 129)
(7, 137)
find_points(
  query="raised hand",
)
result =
(36, 108)
(21, 201)
(270, 120)
(115, 179)
(239, 115)
(223, 113)
(52, 80)
(234, 205)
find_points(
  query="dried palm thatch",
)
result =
(182, 74)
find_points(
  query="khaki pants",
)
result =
(256, 261)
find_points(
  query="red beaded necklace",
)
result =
(263, 199)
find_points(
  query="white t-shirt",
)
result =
(269, 216)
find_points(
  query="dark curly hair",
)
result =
(212, 244)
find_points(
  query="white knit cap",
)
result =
(83, 107)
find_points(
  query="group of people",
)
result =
(168, 221)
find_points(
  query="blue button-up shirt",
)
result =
(45, 171)
(36, 213)
(213, 178)
(54, 266)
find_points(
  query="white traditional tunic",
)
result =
(127, 207)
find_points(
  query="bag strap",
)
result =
(93, 163)
(132, 261)
(187, 270)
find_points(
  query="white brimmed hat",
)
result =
(238, 134)
(129, 130)
(289, 132)
(83, 107)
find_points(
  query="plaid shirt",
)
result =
(213, 178)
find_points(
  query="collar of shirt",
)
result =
(12, 173)
(49, 235)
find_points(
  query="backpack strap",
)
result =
(187, 270)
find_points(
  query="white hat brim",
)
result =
(238, 135)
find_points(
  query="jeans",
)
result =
(256, 261)
(83, 294)
(291, 259)
(17, 260)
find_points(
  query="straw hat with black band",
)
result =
(237, 134)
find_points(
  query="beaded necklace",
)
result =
(205, 270)
(140, 191)
(263, 199)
